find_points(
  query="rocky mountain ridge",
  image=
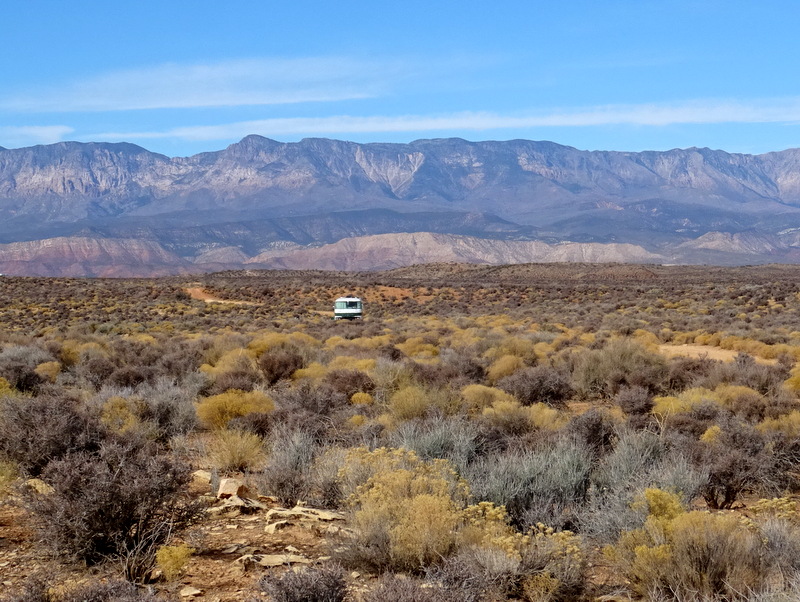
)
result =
(258, 199)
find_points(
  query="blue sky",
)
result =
(186, 77)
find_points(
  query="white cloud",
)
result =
(694, 112)
(13, 136)
(222, 84)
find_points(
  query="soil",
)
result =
(201, 295)
(219, 540)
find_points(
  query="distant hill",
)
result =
(273, 204)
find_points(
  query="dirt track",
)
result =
(199, 294)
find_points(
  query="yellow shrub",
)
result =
(508, 415)
(346, 362)
(405, 513)
(416, 347)
(235, 360)
(216, 411)
(480, 397)
(8, 474)
(505, 365)
(409, 402)
(778, 507)
(120, 414)
(486, 525)
(49, 371)
(357, 420)
(666, 406)
(689, 553)
(172, 559)
(712, 434)
(230, 451)
(313, 371)
(6, 388)
(788, 425)
(542, 416)
(361, 398)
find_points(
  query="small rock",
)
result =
(231, 487)
(248, 561)
(202, 476)
(355, 575)
(190, 592)
(275, 527)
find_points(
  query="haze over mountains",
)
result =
(119, 210)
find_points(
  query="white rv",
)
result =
(347, 308)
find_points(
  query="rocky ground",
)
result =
(241, 538)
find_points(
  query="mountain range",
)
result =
(103, 209)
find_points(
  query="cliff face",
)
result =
(233, 205)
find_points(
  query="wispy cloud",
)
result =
(221, 84)
(694, 112)
(33, 134)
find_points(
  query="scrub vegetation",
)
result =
(537, 433)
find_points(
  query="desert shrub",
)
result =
(350, 382)
(49, 371)
(553, 566)
(279, 364)
(361, 399)
(234, 450)
(408, 589)
(120, 414)
(639, 460)
(172, 560)
(634, 400)
(404, 512)
(677, 554)
(124, 502)
(96, 370)
(766, 379)
(131, 375)
(287, 469)
(8, 474)
(545, 485)
(478, 573)
(737, 459)
(34, 431)
(540, 384)
(113, 591)
(684, 372)
(479, 397)
(504, 366)
(548, 565)
(452, 438)
(216, 411)
(319, 584)
(242, 380)
(622, 362)
(596, 429)
(170, 405)
(40, 589)
(18, 365)
(453, 369)
(320, 400)
(511, 418)
(409, 402)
